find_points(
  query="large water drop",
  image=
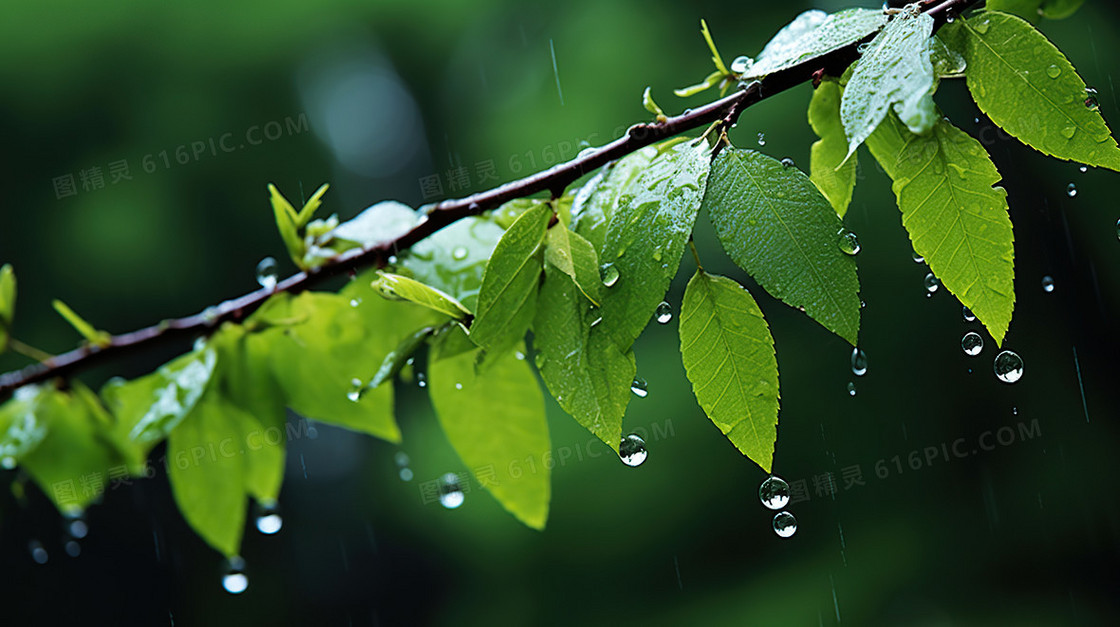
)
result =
(268, 272)
(785, 525)
(1008, 367)
(639, 387)
(268, 519)
(859, 362)
(1048, 284)
(450, 491)
(234, 580)
(664, 313)
(972, 343)
(632, 450)
(774, 492)
(610, 275)
(931, 283)
(848, 242)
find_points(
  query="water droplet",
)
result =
(972, 343)
(917, 258)
(848, 242)
(234, 580)
(268, 518)
(931, 283)
(859, 362)
(787, 163)
(73, 549)
(7, 462)
(851, 388)
(210, 315)
(458, 386)
(76, 527)
(1091, 101)
(982, 27)
(762, 139)
(639, 387)
(38, 553)
(403, 471)
(268, 271)
(355, 393)
(741, 64)
(392, 260)
(774, 492)
(1083, 169)
(664, 313)
(610, 275)
(405, 474)
(1048, 284)
(1118, 229)
(1008, 367)
(968, 315)
(354, 302)
(450, 491)
(421, 379)
(1053, 71)
(459, 253)
(1069, 131)
(632, 450)
(785, 525)
(1071, 190)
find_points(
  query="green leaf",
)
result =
(568, 252)
(92, 335)
(311, 206)
(398, 287)
(597, 200)
(777, 226)
(508, 295)
(382, 222)
(454, 258)
(812, 34)
(207, 470)
(7, 303)
(650, 105)
(895, 70)
(1028, 87)
(396, 360)
(1033, 9)
(831, 169)
(956, 219)
(728, 354)
(73, 461)
(584, 370)
(647, 235)
(496, 423)
(20, 429)
(286, 223)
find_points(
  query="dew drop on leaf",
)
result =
(1053, 71)
(931, 283)
(610, 275)
(450, 491)
(741, 65)
(268, 271)
(1008, 367)
(972, 343)
(459, 253)
(355, 393)
(632, 450)
(1091, 102)
(859, 362)
(268, 520)
(917, 258)
(774, 492)
(787, 163)
(639, 387)
(968, 315)
(664, 313)
(354, 302)
(848, 242)
(1069, 131)
(1048, 284)
(234, 579)
(785, 525)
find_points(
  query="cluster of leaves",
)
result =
(583, 274)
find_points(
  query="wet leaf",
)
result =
(830, 168)
(812, 34)
(286, 223)
(568, 252)
(597, 200)
(7, 303)
(453, 259)
(400, 287)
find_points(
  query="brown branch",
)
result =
(726, 110)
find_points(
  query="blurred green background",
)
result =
(205, 103)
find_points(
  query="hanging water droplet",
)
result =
(268, 518)
(421, 379)
(972, 343)
(355, 393)
(234, 580)
(1071, 190)
(848, 242)
(785, 525)
(931, 283)
(1008, 367)
(459, 253)
(268, 272)
(851, 388)
(664, 313)
(859, 362)
(610, 275)
(1083, 169)
(1053, 71)
(774, 492)
(1091, 101)
(741, 64)
(38, 553)
(632, 450)
(1118, 229)
(450, 491)
(787, 163)
(916, 257)
(639, 388)
(403, 471)
(762, 139)
(968, 315)
(1048, 284)
(76, 526)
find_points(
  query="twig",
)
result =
(725, 110)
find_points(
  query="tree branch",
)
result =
(554, 180)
